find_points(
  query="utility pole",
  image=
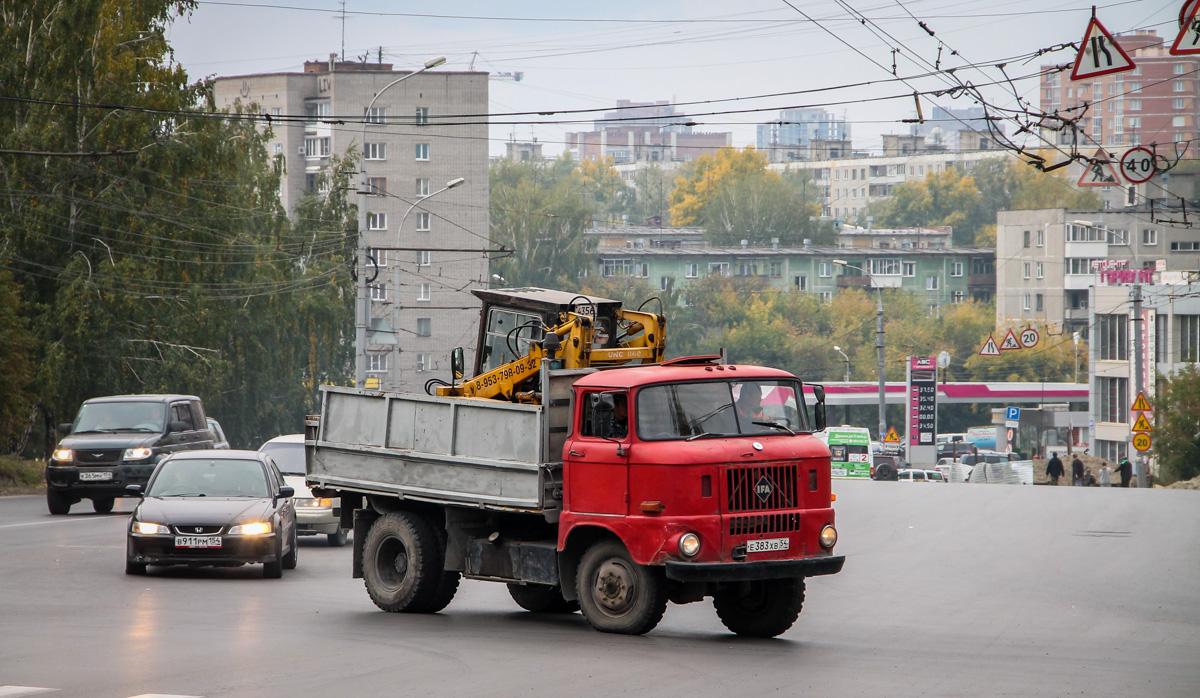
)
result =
(1139, 371)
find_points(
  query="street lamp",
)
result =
(878, 346)
(847, 358)
(449, 185)
(362, 300)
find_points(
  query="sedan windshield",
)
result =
(121, 416)
(288, 456)
(719, 408)
(216, 477)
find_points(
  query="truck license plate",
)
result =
(766, 545)
(197, 541)
(96, 475)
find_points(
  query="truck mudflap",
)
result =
(750, 571)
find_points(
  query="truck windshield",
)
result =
(719, 408)
(120, 416)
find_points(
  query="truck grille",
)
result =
(98, 455)
(763, 523)
(762, 488)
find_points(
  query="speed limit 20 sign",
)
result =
(1137, 165)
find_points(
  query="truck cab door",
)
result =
(596, 466)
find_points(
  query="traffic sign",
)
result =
(1142, 424)
(1141, 442)
(1099, 54)
(1137, 165)
(1188, 40)
(1098, 171)
(990, 348)
(1141, 404)
(1029, 338)
(1010, 342)
(892, 437)
(1012, 413)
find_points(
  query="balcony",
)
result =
(988, 280)
(854, 281)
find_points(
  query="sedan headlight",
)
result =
(65, 454)
(149, 529)
(254, 528)
(828, 537)
(689, 544)
(138, 453)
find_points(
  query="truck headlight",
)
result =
(64, 454)
(137, 453)
(149, 529)
(828, 537)
(254, 528)
(689, 544)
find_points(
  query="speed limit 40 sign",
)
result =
(1137, 165)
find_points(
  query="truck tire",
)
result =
(58, 503)
(102, 505)
(447, 588)
(541, 598)
(616, 594)
(403, 565)
(763, 608)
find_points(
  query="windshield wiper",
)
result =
(184, 494)
(775, 425)
(95, 431)
(693, 437)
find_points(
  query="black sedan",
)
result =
(206, 508)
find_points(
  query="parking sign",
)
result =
(1012, 413)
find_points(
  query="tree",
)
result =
(604, 191)
(948, 197)
(652, 188)
(1177, 435)
(17, 364)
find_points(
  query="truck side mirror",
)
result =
(65, 428)
(457, 362)
(819, 408)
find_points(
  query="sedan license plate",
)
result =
(767, 545)
(197, 541)
(96, 475)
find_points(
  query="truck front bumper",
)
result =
(751, 571)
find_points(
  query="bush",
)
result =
(18, 472)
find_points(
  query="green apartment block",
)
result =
(941, 276)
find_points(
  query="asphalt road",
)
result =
(948, 590)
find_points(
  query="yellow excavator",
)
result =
(520, 327)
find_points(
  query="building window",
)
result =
(422, 186)
(956, 269)
(422, 151)
(312, 111)
(776, 269)
(1112, 337)
(422, 258)
(423, 292)
(1179, 103)
(276, 111)
(1025, 270)
(1041, 238)
(1112, 399)
(616, 267)
(375, 115)
(910, 269)
(1079, 265)
(1149, 236)
(718, 268)
(379, 256)
(823, 270)
(423, 363)
(1025, 239)
(377, 186)
(691, 270)
(376, 221)
(422, 115)
(378, 292)
(931, 283)
(801, 283)
(1112, 451)
(825, 296)
(422, 222)
(1085, 233)
(424, 327)
(1134, 105)
(956, 297)
(1038, 267)
(886, 267)
(377, 361)
(1179, 86)
(1189, 337)
(1039, 303)
(1179, 68)
(277, 148)
(1185, 246)
(1025, 302)
(1178, 121)
(748, 269)
(375, 151)
(664, 283)
(316, 147)
(1133, 87)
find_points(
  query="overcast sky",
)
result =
(589, 55)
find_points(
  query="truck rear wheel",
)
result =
(402, 565)
(763, 608)
(616, 594)
(541, 598)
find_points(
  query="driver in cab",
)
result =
(749, 404)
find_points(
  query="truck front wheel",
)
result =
(541, 598)
(402, 564)
(763, 608)
(616, 594)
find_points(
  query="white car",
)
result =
(314, 515)
(919, 475)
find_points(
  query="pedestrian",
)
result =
(1054, 469)
(1089, 480)
(1125, 470)
(1105, 474)
(1077, 473)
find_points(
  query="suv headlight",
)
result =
(64, 454)
(149, 529)
(138, 453)
(254, 528)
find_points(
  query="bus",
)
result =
(850, 449)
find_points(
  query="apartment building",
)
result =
(420, 134)
(650, 132)
(1048, 260)
(791, 137)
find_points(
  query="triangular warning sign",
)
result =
(1142, 424)
(990, 348)
(892, 437)
(1188, 40)
(1099, 54)
(1010, 342)
(1098, 171)
(1140, 404)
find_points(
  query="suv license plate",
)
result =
(96, 475)
(766, 545)
(197, 541)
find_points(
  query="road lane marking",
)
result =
(55, 521)
(18, 691)
(162, 695)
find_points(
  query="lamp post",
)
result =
(878, 346)
(362, 300)
(847, 358)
